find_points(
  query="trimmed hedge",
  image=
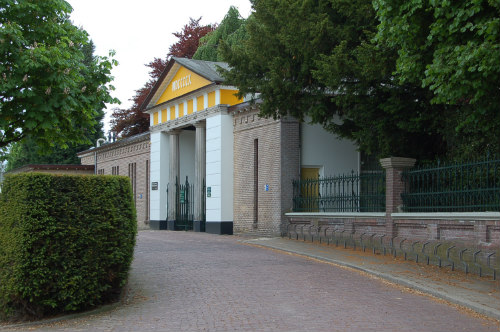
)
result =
(66, 242)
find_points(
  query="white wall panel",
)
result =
(219, 166)
(159, 173)
(227, 167)
(320, 148)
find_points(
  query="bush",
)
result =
(66, 242)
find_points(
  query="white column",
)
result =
(174, 172)
(199, 170)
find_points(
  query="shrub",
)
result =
(66, 242)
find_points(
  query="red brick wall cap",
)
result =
(397, 162)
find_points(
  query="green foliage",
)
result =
(315, 60)
(453, 49)
(48, 90)
(231, 31)
(27, 152)
(421, 82)
(66, 242)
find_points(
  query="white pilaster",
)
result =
(159, 176)
(174, 172)
(219, 168)
(199, 170)
(217, 97)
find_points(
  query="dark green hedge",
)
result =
(66, 242)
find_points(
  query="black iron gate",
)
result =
(184, 203)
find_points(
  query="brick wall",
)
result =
(477, 233)
(480, 230)
(290, 165)
(262, 196)
(128, 157)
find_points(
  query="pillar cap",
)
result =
(397, 162)
(200, 124)
(174, 131)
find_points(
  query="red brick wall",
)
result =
(473, 233)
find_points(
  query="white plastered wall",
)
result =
(159, 173)
(319, 148)
(219, 168)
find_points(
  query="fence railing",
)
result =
(465, 187)
(346, 193)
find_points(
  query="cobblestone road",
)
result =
(200, 282)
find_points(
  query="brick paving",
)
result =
(183, 281)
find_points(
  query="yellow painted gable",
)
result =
(184, 81)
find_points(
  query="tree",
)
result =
(189, 38)
(451, 48)
(315, 60)
(47, 91)
(27, 151)
(230, 31)
(133, 121)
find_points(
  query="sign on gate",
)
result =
(182, 197)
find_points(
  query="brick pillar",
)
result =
(174, 174)
(394, 167)
(199, 176)
(480, 232)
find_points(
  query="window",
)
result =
(115, 170)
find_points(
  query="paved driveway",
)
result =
(183, 281)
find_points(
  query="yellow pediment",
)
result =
(183, 82)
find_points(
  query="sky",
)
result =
(139, 31)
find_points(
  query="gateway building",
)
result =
(214, 165)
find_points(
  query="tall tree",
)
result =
(231, 31)
(451, 48)
(133, 121)
(27, 151)
(47, 91)
(315, 60)
(189, 39)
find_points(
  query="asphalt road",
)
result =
(184, 281)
